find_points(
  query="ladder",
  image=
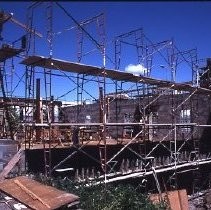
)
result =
(101, 31)
(102, 153)
(7, 118)
(28, 109)
(196, 180)
(173, 181)
(117, 53)
(8, 78)
(80, 43)
(47, 138)
(118, 105)
(47, 141)
(80, 88)
(47, 153)
(47, 133)
(194, 116)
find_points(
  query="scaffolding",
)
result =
(157, 121)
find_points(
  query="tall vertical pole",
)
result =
(38, 110)
(175, 154)
(101, 24)
(101, 105)
(47, 75)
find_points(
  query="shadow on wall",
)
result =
(205, 141)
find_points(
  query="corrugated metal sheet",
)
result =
(36, 195)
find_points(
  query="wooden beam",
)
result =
(31, 194)
(10, 165)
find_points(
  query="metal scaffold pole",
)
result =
(48, 89)
(144, 127)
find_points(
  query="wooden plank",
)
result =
(7, 52)
(30, 193)
(11, 164)
(177, 199)
(62, 65)
(33, 194)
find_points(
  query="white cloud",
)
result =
(135, 69)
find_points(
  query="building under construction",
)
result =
(135, 127)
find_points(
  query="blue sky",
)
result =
(188, 23)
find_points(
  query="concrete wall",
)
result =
(165, 109)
